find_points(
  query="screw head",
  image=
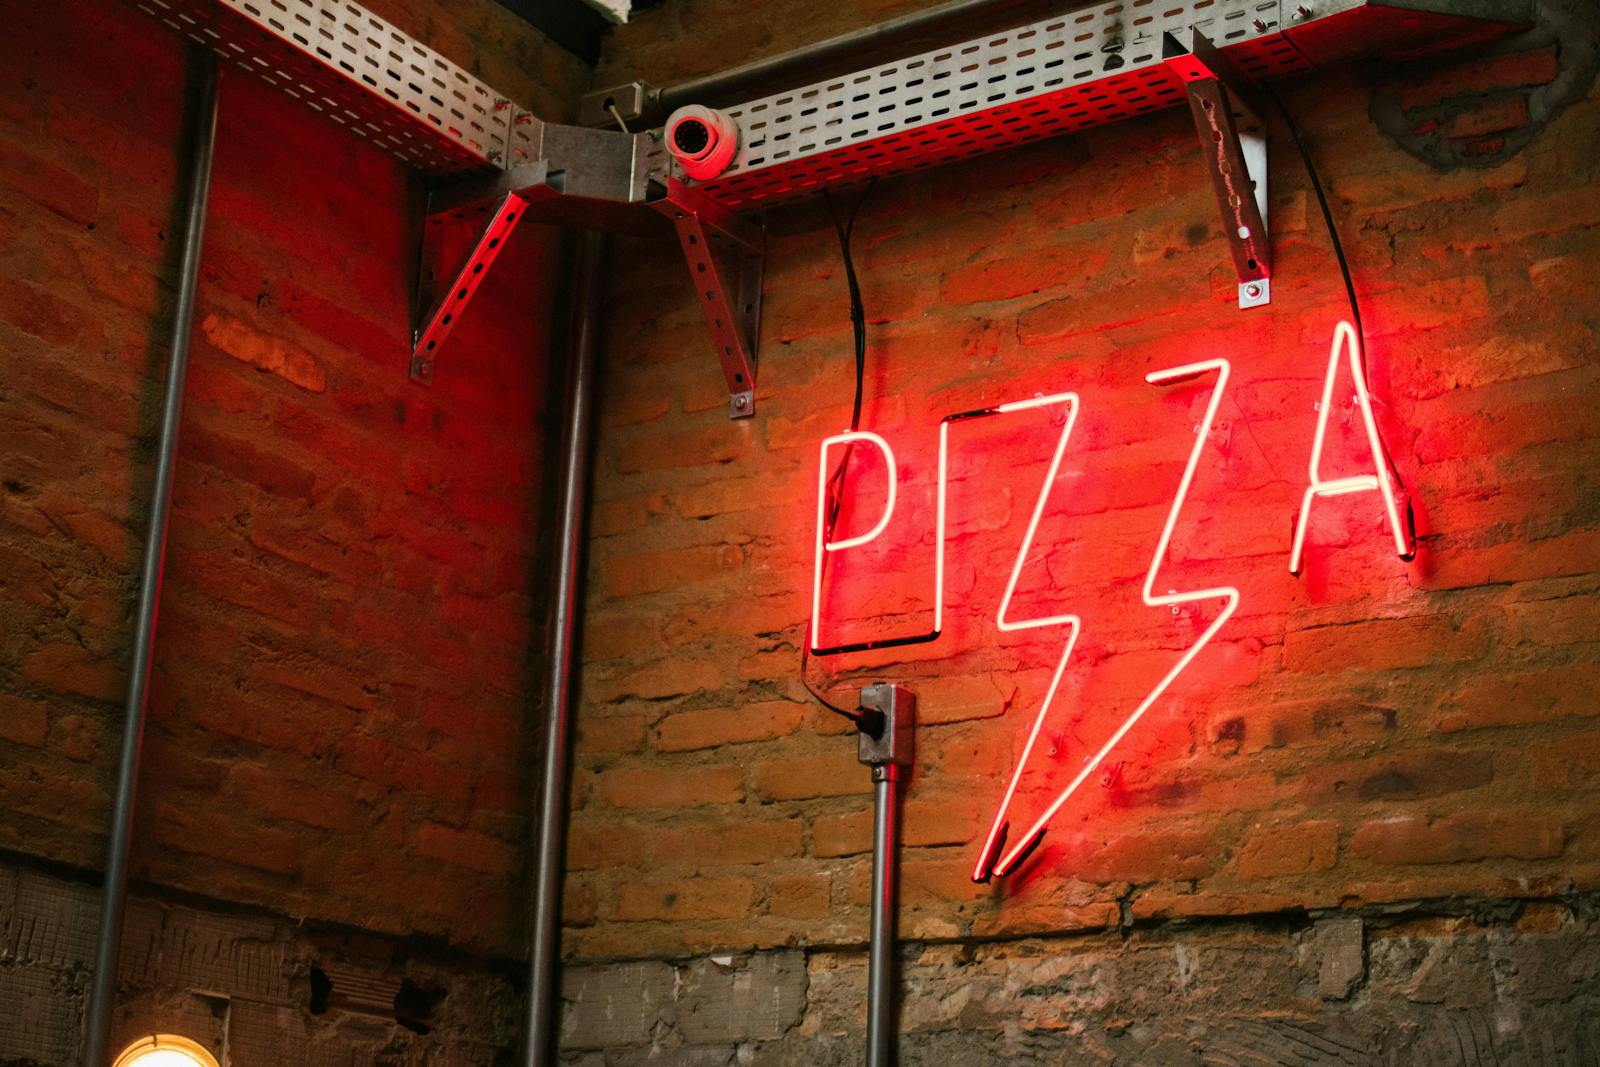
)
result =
(1259, 25)
(1253, 290)
(1302, 13)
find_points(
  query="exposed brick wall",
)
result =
(258, 990)
(346, 649)
(1372, 733)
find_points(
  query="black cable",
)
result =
(870, 722)
(1338, 252)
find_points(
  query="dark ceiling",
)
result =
(572, 24)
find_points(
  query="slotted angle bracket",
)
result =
(725, 254)
(439, 297)
(566, 175)
(1227, 113)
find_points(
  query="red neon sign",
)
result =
(998, 855)
(1344, 338)
(1025, 844)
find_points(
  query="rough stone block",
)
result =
(742, 998)
(1341, 948)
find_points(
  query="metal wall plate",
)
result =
(341, 60)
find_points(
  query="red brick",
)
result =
(23, 721)
(711, 727)
(40, 313)
(651, 572)
(465, 848)
(1300, 848)
(77, 737)
(1549, 694)
(386, 764)
(1481, 73)
(833, 774)
(71, 668)
(656, 680)
(198, 831)
(647, 786)
(1135, 857)
(1568, 621)
(1498, 116)
(51, 186)
(1384, 644)
(1471, 835)
(708, 843)
(800, 896)
(305, 798)
(712, 445)
(264, 352)
(842, 835)
(613, 735)
(1401, 776)
(679, 899)
(1571, 762)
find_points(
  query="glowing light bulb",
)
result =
(165, 1050)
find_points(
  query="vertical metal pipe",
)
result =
(564, 610)
(880, 963)
(102, 994)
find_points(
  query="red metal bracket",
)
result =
(725, 254)
(1233, 138)
(445, 304)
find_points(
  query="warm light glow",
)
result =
(1228, 594)
(824, 545)
(165, 1050)
(1344, 337)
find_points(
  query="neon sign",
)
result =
(996, 855)
(1344, 339)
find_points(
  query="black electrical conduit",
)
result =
(954, 20)
(202, 138)
(544, 952)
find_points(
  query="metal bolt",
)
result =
(1252, 290)
(501, 103)
(740, 402)
(523, 118)
(1260, 26)
(1302, 13)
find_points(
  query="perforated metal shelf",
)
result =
(339, 59)
(1088, 68)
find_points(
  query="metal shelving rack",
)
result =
(497, 164)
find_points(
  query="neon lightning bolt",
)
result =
(1229, 594)
(997, 830)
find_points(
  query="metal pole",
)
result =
(102, 994)
(564, 610)
(880, 964)
(811, 61)
(886, 744)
